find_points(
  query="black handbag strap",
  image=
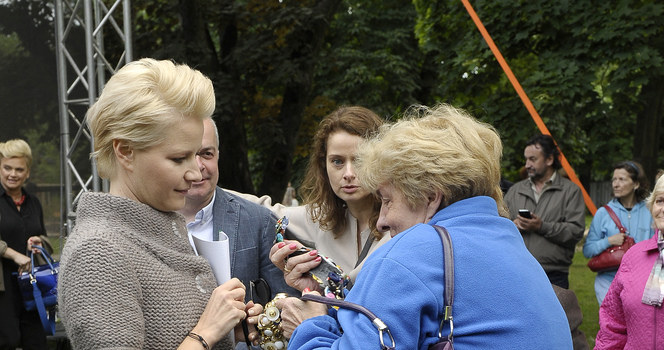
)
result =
(382, 327)
(365, 249)
(448, 297)
(613, 216)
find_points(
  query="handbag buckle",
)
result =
(446, 317)
(382, 327)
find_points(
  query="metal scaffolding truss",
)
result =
(83, 68)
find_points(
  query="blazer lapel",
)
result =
(227, 220)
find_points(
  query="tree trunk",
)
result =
(223, 71)
(297, 94)
(234, 172)
(648, 127)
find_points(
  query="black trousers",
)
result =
(560, 279)
(18, 327)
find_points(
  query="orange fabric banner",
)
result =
(526, 101)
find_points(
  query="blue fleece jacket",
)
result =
(503, 299)
(638, 223)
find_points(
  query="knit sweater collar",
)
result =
(129, 213)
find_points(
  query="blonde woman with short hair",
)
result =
(128, 276)
(21, 224)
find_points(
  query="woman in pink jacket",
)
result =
(631, 316)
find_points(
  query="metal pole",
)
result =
(92, 86)
(89, 77)
(65, 176)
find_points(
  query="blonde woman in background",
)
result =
(21, 224)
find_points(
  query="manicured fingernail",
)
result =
(306, 290)
(281, 245)
(313, 252)
(292, 246)
(317, 259)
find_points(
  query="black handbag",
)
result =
(39, 289)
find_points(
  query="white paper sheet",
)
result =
(217, 253)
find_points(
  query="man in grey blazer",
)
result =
(249, 227)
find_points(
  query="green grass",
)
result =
(582, 282)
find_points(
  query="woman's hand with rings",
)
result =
(295, 267)
(295, 311)
(280, 252)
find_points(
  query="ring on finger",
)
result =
(286, 269)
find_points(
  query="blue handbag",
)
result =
(39, 289)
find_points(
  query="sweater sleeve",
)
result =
(100, 299)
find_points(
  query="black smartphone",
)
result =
(525, 213)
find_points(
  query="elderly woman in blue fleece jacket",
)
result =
(442, 168)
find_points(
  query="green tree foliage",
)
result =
(261, 56)
(592, 70)
(584, 65)
(28, 89)
(372, 58)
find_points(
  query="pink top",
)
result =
(625, 322)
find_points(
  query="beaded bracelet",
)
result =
(200, 339)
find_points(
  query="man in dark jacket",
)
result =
(548, 209)
(250, 228)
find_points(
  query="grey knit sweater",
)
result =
(129, 278)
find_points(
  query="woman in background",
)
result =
(631, 316)
(21, 224)
(630, 189)
(290, 197)
(338, 214)
(128, 277)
